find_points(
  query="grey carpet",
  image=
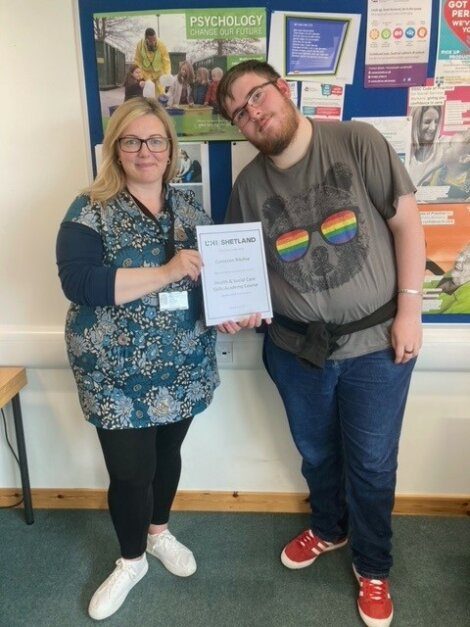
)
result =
(49, 570)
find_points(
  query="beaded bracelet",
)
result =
(404, 290)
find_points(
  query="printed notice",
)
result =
(322, 101)
(397, 43)
(234, 275)
(314, 46)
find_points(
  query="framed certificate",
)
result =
(234, 275)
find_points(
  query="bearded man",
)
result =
(345, 253)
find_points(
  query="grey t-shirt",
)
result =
(329, 250)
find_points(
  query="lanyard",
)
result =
(170, 239)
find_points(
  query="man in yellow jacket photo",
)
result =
(151, 55)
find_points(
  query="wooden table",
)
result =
(12, 380)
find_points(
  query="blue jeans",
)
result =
(346, 420)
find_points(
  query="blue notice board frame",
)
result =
(359, 101)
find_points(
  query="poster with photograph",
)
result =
(440, 143)
(453, 46)
(447, 280)
(193, 174)
(397, 44)
(178, 57)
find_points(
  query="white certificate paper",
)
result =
(234, 275)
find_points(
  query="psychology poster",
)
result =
(447, 280)
(178, 57)
(453, 47)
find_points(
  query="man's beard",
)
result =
(276, 144)
(151, 47)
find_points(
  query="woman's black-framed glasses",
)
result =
(156, 143)
(255, 100)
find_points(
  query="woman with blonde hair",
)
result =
(142, 358)
(426, 151)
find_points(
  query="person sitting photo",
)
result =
(184, 166)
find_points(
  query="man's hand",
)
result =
(247, 323)
(406, 336)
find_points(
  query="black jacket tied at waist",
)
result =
(320, 338)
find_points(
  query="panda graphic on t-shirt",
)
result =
(317, 238)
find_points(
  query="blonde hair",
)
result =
(203, 73)
(420, 150)
(217, 73)
(111, 178)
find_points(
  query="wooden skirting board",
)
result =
(186, 501)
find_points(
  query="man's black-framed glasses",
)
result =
(156, 143)
(256, 99)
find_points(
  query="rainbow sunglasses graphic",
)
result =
(339, 228)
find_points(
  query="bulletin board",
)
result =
(359, 101)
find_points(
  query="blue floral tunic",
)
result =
(136, 366)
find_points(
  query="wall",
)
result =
(242, 441)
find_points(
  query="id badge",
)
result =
(173, 301)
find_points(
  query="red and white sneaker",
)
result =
(305, 548)
(374, 601)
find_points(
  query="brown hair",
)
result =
(129, 79)
(224, 90)
(190, 75)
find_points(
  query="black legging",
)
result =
(144, 467)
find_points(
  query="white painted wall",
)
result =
(241, 442)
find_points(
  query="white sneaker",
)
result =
(176, 557)
(113, 591)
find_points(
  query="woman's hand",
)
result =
(133, 283)
(186, 263)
